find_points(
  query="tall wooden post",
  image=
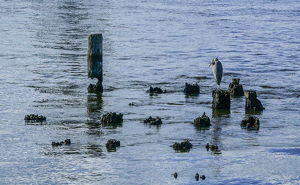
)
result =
(95, 60)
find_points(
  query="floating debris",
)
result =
(183, 146)
(250, 123)
(66, 142)
(235, 88)
(34, 118)
(112, 117)
(221, 99)
(191, 89)
(252, 103)
(156, 90)
(153, 121)
(202, 121)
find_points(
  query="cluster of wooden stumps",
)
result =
(221, 98)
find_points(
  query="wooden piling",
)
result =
(252, 103)
(235, 88)
(95, 59)
(221, 99)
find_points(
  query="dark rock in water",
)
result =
(202, 121)
(183, 146)
(95, 88)
(34, 118)
(251, 123)
(66, 142)
(191, 89)
(175, 175)
(235, 88)
(112, 117)
(156, 90)
(112, 144)
(252, 103)
(153, 121)
(221, 99)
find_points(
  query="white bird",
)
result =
(217, 70)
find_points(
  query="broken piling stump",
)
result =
(153, 121)
(94, 61)
(191, 89)
(250, 123)
(183, 146)
(235, 88)
(112, 144)
(112, 119)
(155, 90)
(221, 99)
(202, 121)
(32, 118)
(252, 103)
(66, 142)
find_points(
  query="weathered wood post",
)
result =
(221, 99)
(95, 60)
(235, 88)
(252, 103)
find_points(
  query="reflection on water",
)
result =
(217, 113)
(94, 105)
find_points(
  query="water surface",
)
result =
(157, 43)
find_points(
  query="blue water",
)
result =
(159, 43)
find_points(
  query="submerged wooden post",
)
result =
(95, 60)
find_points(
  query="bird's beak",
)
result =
(210, 64)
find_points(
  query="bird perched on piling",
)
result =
(217, 70)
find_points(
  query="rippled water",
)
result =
(159, 43)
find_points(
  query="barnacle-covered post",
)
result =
(95, 60)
